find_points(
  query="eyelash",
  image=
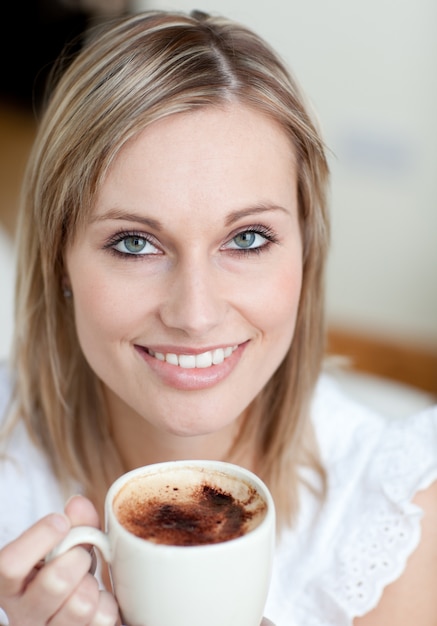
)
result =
(257, 229)
(118, 238)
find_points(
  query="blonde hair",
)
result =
(132, 72)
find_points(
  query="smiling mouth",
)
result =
(192, 361)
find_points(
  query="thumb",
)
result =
(81, 512)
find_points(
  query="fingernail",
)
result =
(75, 495)
(60, 522)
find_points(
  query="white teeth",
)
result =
(218, 356)
(190, 361)
(187, 360)
(172, 358)
(204, 359)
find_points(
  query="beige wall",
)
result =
(370, 69)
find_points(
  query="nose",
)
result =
(194, 302)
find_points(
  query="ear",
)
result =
(66, 287)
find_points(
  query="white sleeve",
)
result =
(380, 526)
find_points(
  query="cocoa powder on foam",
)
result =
(189, 515)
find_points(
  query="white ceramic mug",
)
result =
(212, 584)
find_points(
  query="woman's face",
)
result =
(186, 279)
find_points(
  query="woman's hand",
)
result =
(62, 592)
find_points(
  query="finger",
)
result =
(266, 622)
(81, 512)
(18, 558)
(107, 613)
(63, 590)
(43, 595)
(81, 605)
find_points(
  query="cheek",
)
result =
(102, 311)
(278, 300)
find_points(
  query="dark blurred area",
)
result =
(34, 33)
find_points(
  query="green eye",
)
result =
(245, 240)
(134, 245)
(253, 240)
(130, 244)
(250, 240)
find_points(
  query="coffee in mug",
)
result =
(188, 506)
(188, 543)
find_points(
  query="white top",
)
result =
(334, 564)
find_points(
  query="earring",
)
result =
(67, 292)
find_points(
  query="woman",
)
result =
(172, 247)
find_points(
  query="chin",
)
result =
(191, 428)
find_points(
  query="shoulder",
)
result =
(28, 489)
(340, 422)
(350, 432)
(410, 599)
(382, 501)
(379, 515)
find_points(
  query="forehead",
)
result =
(194, 156)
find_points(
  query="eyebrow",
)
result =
(119, 214)
(151, 222)
(234, 216)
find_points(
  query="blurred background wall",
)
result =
(370, 69)
(370, 72)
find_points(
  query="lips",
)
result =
(189, 371)
(193, 361)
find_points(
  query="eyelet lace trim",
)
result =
(374, 552)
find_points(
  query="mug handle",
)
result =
(81, 535)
